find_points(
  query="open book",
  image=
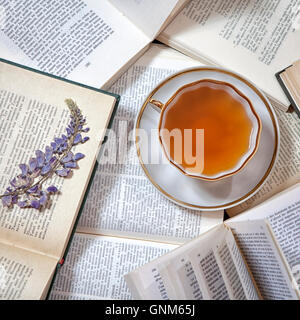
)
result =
(126, 222)
(254, 38)
(82, 40)
(32, 113)
(253, 256)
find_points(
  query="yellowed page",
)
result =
(33, 112)
(24, 274)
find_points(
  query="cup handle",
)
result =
(156, 105)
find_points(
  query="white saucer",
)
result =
(199, 194)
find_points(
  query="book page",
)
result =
(33, 112)
(95, 267)
(208, 267)
(263, 259)
(219, 266)
(149, 15)
(85, 41)
(183, 284)
(24, 274)
(287, 169)
(121, 200)
(283, 214)
(253, 38)
(155, 280)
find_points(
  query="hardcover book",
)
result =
(289, 79)
(35, 231)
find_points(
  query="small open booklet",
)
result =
(86, 41)
(253, 38)
(253, 256)
(32, 113)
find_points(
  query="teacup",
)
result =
(208, 129)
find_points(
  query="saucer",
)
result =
(199, 194)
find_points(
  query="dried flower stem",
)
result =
(46, 164)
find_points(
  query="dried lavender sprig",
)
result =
(57, 159)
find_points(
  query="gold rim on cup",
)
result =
(163, 106)
(257, 186)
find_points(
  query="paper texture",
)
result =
(258, 248)
(96, 266)
(33, 113)
(24, 274)
(85, 41)
(148, 15)
(79, 41)
(283, 214)
(253, 38)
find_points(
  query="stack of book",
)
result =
(121, 221)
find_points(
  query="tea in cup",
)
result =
(208, 129)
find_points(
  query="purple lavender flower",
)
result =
(48, 154)
(70, 164)
(35, 204)
(52, 189)
(68, 132)
(36, 172)
(33, 189)
(85, 139)
(54, 146)
(32, 164)
(24, 168)
(14, 199)
(78, 156)
(26, 190)
(40, 157)
(67, 158)
(7, 201)
(46, 169)
(43, 199)
(22, 204)
(63, 172)
(77, 138)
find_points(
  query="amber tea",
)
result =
(217, 108)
